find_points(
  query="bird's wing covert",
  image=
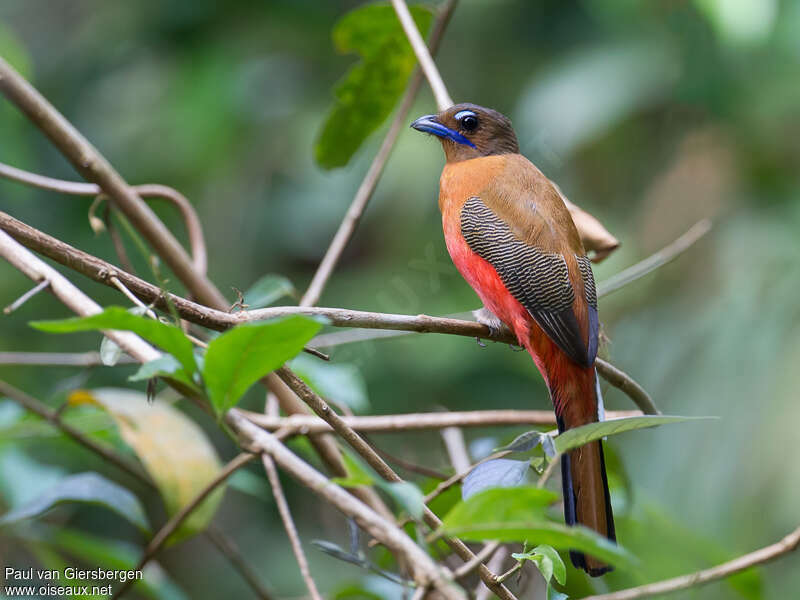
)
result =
(539, 280)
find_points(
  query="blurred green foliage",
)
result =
(651, 115)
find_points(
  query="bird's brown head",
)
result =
(470, 131)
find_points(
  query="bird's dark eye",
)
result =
(467, 120)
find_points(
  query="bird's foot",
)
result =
(486, 317)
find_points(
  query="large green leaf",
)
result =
(503, 504)
(174, 450)
(579, 436)
(238, 358)
(518, 514)
(369, 91)
(167, 337)
(87, 488)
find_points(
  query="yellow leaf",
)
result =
(172, 448)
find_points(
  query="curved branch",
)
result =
(194, 229)
(786, 545)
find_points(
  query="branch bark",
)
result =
(194, 229)
(102, 272)
(310, 424)
(425, 571)
(443, 100)
(95, 168)
(787, 544)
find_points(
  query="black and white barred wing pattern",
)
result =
(537, 279)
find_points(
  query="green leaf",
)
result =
(267, 290)
(173, 449)
(518, 514)
(88, 488)
(371, 89)
(530, 440)
(503, 504)
(238, 358)
(579, 436)
(339, 383)
(167, 337)
(547, 560)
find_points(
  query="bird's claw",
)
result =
(486, 317)
(480, 342)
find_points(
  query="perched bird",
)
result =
(512, 239)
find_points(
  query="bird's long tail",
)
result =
(583, 472)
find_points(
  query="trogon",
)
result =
(513, 240)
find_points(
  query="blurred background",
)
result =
(649, 115)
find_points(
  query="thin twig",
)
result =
(443, 100)
(45, 412)
(482, 556)
(548, 471)
(786, 545)
(654, 261)
(95, 168)
(179, 517)
(495, 564)
(227, 547)
(25, 297)
(71, 296)
(288, 524)
(57, 359)
(403, 463)
(424, 569)
(319, 406)
(310, 424)
(456, 448)
(353, 216)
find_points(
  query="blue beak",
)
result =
(430, 124)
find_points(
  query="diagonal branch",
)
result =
(95, 168)
(179, 517)
(288, 523)
(426, 572)
(443, 100)
(787, 544)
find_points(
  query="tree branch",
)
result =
(654, 261)
(194, 229)
(786, 545)
(179, 517)
(310, 424)
(426, 572)
(45, 412)
(288, 523)
(102, 272)
(443, 100)
(94, 167)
